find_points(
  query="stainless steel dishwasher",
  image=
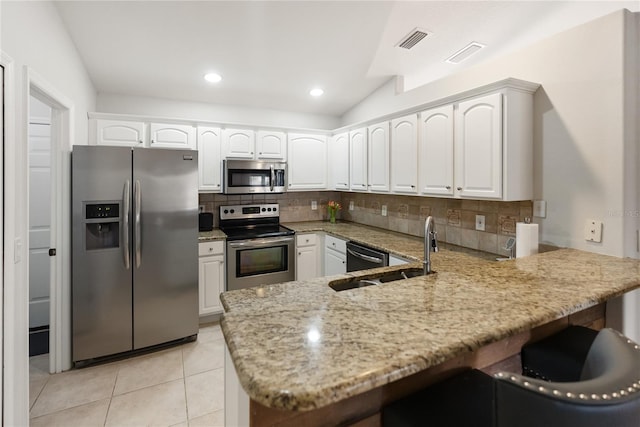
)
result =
(360, 257)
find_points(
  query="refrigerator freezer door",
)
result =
(101, 281)
(165, 249)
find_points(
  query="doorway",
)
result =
(39, 238)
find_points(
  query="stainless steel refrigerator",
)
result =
(134, 245)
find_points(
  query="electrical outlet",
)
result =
(201, 208)
(314, 205)
(384, 210)
(593, 231)
(352, 205)
(480, 222)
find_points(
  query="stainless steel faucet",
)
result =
(430, 243)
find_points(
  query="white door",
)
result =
(209, 163)
(436, 151)
(162, 135)
(238, 143)
(358, 159)
(307, 165)
(271, 145)
(404, 154)
(307, 267)
(334, 262)
(39, 212)
(339, 161)
(378, 150)
(478, 147)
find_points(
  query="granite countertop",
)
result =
(208, 236)
(301, 345)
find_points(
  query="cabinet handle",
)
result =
(459, 188)
(152, 141)
(252, 153)
(448, 187)
(413, 186)
(210, 249)
(260, 154)
(140, 142)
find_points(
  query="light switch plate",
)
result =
(593, 231)
(540, 208)
(351, 205)
(480, 222)
(314, 205)
(384, 210)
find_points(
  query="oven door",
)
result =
(257, 262)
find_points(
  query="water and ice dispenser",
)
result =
(102, 222)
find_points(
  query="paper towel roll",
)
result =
(526, 239)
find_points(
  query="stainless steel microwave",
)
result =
(253, 177)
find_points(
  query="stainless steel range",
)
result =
(260, 251)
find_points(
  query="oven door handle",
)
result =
(365, 257)
(259, 242)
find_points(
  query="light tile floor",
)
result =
(179, 386)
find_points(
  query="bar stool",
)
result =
(607, 393)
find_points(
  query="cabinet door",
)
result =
(164, 135)
(339, 161)
(404, 154)
(307, 263)
(478, 147)
(436, 151)
(238, 143)
(378, 150)
(120, 133)
(307, 165)
(358, 159)
(210, 284)
(271, 145)
(334, 262)
(209, 162)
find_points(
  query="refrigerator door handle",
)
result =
(125, 224)
(136, 195)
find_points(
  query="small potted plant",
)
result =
(333, 207)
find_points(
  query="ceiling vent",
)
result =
(413, 38)
(464, 53)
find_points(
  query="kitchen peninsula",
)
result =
(306, 354)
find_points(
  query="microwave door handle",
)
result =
(125, 224)
(273, 177)
(365, 257)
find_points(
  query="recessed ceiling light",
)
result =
(212, 77)
(316, 92)
(465, 53)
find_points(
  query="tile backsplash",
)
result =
(455, 219)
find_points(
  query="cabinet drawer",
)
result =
(336, 244)
(306, 240)
(211, 248)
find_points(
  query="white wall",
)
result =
(578, 124)
(32, 34)
(127, 104)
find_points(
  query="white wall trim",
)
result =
(61, 142)
(15, 348)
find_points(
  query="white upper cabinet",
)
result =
(271, 145)
(164, 135)
(209, 161)
(358, 159)
(118, 133)
(238, 143)
(378, 156)
(339, 161)
(478, 147)
(307, 164)
(404, 154)
(436, 151)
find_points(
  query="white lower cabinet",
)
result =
(308, 256)
(335, 255)
(210, 277)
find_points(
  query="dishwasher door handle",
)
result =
(365, 257)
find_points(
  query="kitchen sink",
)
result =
(342, 285)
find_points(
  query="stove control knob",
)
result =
(264, 209)
(274, 209)
(226, 211)
(269, 209)
(233, 211)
